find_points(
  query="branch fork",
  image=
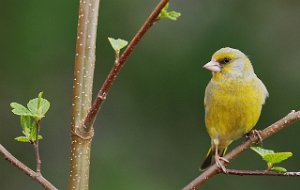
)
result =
(84, 113)
(37, 176)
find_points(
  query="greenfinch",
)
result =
(233, 101)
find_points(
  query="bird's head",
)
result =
(229, 62)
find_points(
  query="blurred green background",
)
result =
(150, 134)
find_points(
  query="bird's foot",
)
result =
(220, 165)
(255, 133)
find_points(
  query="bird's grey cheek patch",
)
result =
(238, 65)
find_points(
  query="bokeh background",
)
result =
(150, 134)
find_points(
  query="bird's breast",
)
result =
(232, 108)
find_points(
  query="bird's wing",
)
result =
(207, 93)
(263, 89)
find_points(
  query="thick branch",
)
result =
(267, 132)
(117, 67)
(82, 94)
(84, 64)
(34, 175)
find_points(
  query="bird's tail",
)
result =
(210, 159)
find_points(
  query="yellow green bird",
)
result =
(233, 101)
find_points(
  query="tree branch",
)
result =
(89, 120)
(261, 173)
(18, 164)
(83, 114)
(82, 94)
(267, 132)
(37, 150)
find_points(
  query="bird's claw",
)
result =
(258, 134)
(220, 165)
(255, 133)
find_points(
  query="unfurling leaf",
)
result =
(30, 117)
(261, 151)
(40, 137)
(39, 106)
(26, 125)
(275, 158)
(272, 157)
(19, 109)
(172, 15)
(22, 139)
(279, 169)
(117, 44)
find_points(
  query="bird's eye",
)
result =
(226, 60)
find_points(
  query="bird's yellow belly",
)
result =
(232, 111)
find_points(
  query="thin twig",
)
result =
(261, 173)
(117, 67)
(18, 164)
(267, 132)
(37, 150)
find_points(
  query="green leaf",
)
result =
(279, 169)
(38, 107)
(172, 15)
(33, 106)
(25, 122)
(117, 44)
(40, 95)
(26, 125)
(19, 109)
(261, 151)
(22, 139)
(44, 106)
(33, 132)
(40, 137)
(274, 158)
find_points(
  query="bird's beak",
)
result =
(213, 66)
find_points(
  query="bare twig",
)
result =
(34, 175)
(37, 150)
(261, 173)
(267, 132)
(117, 67)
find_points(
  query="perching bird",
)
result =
(233, 101)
